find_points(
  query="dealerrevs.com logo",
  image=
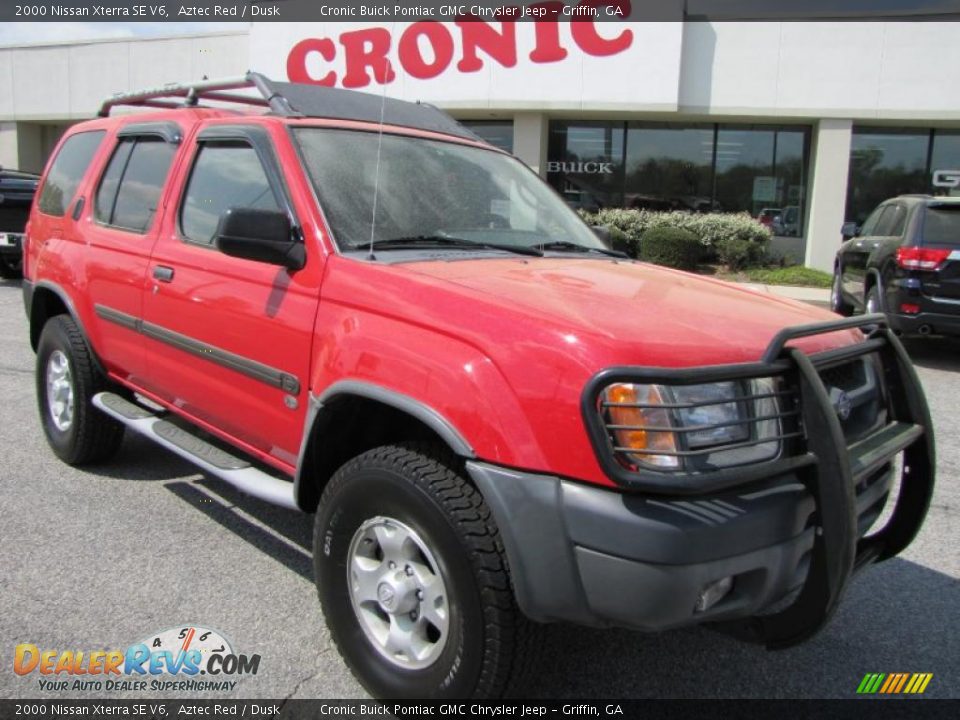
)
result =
(189, 658)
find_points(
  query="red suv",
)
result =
(354, 307)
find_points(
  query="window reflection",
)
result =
(885, 163)
(498, 133)
(758, 169)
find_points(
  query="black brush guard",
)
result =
(827, 465)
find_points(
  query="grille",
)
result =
(856, 392)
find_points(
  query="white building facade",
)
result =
(805, 124)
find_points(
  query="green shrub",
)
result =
(738, 253)
(709, 229)
(673, 247)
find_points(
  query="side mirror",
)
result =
(261, 235)
(849, 230)
(602, 232)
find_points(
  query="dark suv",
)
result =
(16, 195)
(905, 262)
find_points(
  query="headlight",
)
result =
(713, 407)
(692, 427)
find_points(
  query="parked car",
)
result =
(352, 306)
(770, 217)
(904, 262)
(16, 194)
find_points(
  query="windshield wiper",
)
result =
(454, 243)
(567, 246)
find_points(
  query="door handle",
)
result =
(163, 273)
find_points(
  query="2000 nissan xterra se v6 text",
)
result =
(353, 306)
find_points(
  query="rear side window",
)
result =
(130, 189)
(893, 221)
(870, 225)
(67, 171)
(224, 176)
(941, 226)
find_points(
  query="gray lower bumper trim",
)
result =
(598, 557)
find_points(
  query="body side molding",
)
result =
(243, 365)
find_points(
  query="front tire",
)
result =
(413, 579)
(67, 379)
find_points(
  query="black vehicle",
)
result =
(16, 195)
(905, 262)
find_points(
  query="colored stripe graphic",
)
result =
(894, 683)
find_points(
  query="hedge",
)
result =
(673, 247)
(735, 236)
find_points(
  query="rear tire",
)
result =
(67, 379)
(11, 269)
(408, 504)
(837, 302)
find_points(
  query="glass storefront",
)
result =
(759, 169)
(498, 133)
(886, 162)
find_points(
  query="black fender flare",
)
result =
(371, 391)
(29, 298)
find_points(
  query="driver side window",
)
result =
(225, 175)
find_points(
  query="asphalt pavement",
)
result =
(102, 557)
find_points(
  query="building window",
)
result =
(498, 133)
(885, 163)
(585, 163)
(669, 167)
(761, 170)
(758, 169)
(944, 155)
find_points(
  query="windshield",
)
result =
(941, 226)
(432, 191)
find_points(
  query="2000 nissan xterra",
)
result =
(353, 306)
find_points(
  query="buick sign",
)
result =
(582, 168)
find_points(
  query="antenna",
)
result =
(376, 181)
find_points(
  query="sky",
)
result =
(17, 33)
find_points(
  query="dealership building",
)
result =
(810, 123)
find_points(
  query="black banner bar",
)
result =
(245, 11)
(874, 709)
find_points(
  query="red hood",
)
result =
(675, 318)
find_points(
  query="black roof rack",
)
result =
(294, 100)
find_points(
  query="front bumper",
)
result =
(641, 559)
(598, 557)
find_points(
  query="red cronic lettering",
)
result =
(548, 48)
(478, 35)
(364, 49)
(297, 61)
(411, 58)
(593, 43)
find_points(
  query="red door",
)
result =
(119, 222)
(228, 340)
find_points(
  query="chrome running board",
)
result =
(231, 469)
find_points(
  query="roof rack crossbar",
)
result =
(294, 100)
(192, 93)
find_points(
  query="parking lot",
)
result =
(102, 557)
